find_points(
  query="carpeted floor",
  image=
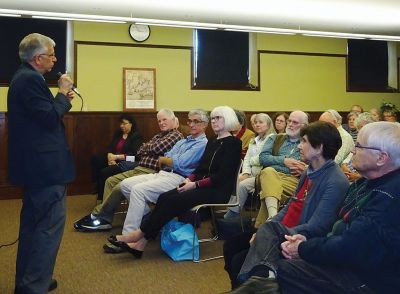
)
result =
(82, 267)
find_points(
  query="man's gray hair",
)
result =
(363, 119)
(385, 136)
(34, 44)
(204, 117)
(167, 111)
(229, 115)
(335, 115)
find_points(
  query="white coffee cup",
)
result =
(130, 158)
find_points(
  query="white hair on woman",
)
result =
(229, 115)
(264, 118)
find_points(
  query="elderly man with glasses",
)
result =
(361, 253)
(280, 158)
(40, 161)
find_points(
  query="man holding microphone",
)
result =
(40, 161)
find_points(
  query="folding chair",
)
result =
(216, 205)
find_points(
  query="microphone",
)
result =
(74, 88)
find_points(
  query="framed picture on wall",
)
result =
(139, 87)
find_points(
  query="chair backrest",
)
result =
(235, 191)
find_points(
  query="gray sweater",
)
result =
(320, 210)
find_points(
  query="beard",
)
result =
(293, 134)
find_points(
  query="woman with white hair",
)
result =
(263, 126)
(211, 182)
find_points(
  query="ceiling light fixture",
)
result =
(192, 25)
(10, 15)
(176, 26)
(77, 19)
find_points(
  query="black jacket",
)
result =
(368, 241)
(131, 145)
(38, 151)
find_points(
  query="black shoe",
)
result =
(92, 225)
(113, 240)
(53, 285)
(110, 248)
(78, 223)
(258, 285)
(136, 253)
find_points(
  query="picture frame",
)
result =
(139, 89)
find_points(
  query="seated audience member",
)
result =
(280, 158)
(280, 121)
(347, 166)
(361, 253)
(311, 210)
(243, 133)
(350, 127)
(175, 166)
(356, 108)
(263, 126)
(147, 156)
(211, 182)
(376, 114)
(126, 142)
(390, 112)
(333, 117)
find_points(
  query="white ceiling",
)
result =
(348, 16)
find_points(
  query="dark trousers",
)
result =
(172, 203)
(101, 171)
(41, 227)
(98, 162)
(235, 251)
(105, 173)
(265, 250)
(298, 276)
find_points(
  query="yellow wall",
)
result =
(288, 82)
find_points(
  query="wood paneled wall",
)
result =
(89, 133)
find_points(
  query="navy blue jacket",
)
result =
(39, 155)
(369, 242)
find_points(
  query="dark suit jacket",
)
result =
(38, 151)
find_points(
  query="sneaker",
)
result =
(230, 214)
(95, 224)
(78, 223)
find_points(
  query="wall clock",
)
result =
(139, 33)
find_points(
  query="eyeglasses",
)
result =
(294, 122)
(52, 55)
(217, 117)
(194, 121)
(358, 145)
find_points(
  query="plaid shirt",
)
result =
(149, 152)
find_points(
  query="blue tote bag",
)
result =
(177, 241)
